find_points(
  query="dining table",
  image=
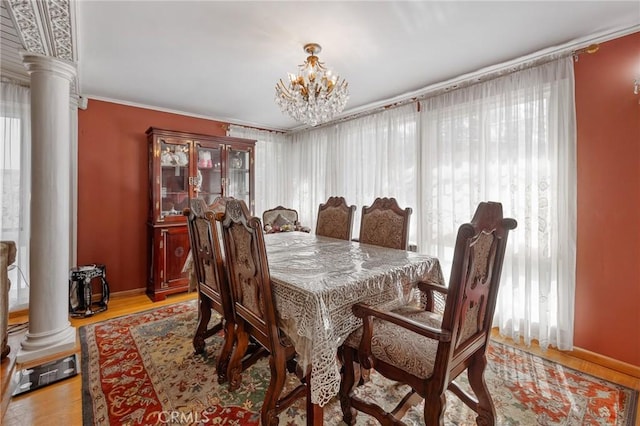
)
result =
(316, 280)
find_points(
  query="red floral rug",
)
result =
(141, 370)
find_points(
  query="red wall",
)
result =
(113, 188)
(113, 193)
(607, 319)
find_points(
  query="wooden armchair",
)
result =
(428, 351)
(335, 219)
(385, 224)
(254, 307)
(282, 219)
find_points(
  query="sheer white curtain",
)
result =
(361, 159)
(15, 182)
(272, 180)
(511, 139)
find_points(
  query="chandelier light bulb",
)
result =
(315, 95)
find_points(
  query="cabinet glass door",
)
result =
(174, 181)
(239, 178)
(208, 179)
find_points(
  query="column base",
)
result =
(41, 346)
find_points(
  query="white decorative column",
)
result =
(49, 329)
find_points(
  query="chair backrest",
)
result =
(473, 284)
(270, 217)
(218, 205)
(335, 219)
(385, 224)
(208, 257)
(249, 274)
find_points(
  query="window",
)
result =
(15, 134)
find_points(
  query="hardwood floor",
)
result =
(61, 403)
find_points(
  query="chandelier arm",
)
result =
(283, 89)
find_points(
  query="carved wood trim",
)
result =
(45, 28)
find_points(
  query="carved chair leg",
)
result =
(235, 363)
(486, 409)
(204, 315)
(434, 409)
(346, 385)
(226, 351)
(269, 413)
(365, 376)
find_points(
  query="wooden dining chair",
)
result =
(218, 205)
(335, 219)
(281, 219)
(428, 351)
(255, 311)
(385, 224)
(214, 293)
(213, 288)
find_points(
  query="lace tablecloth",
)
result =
(316, 282)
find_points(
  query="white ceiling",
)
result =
(221, 60)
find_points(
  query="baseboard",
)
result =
(127, 293)
(605, 361)
(96, 298)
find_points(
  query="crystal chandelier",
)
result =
(315, 95)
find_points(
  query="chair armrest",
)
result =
(426, 287)
(429, 292)
(367, 312)
(366, 358)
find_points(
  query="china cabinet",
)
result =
(184, 166)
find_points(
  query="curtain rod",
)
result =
(458, 83)
(589, 45)
(284, 132)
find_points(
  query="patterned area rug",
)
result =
(141, 370)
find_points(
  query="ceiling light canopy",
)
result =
(314, 95)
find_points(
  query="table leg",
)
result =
(315, 413)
